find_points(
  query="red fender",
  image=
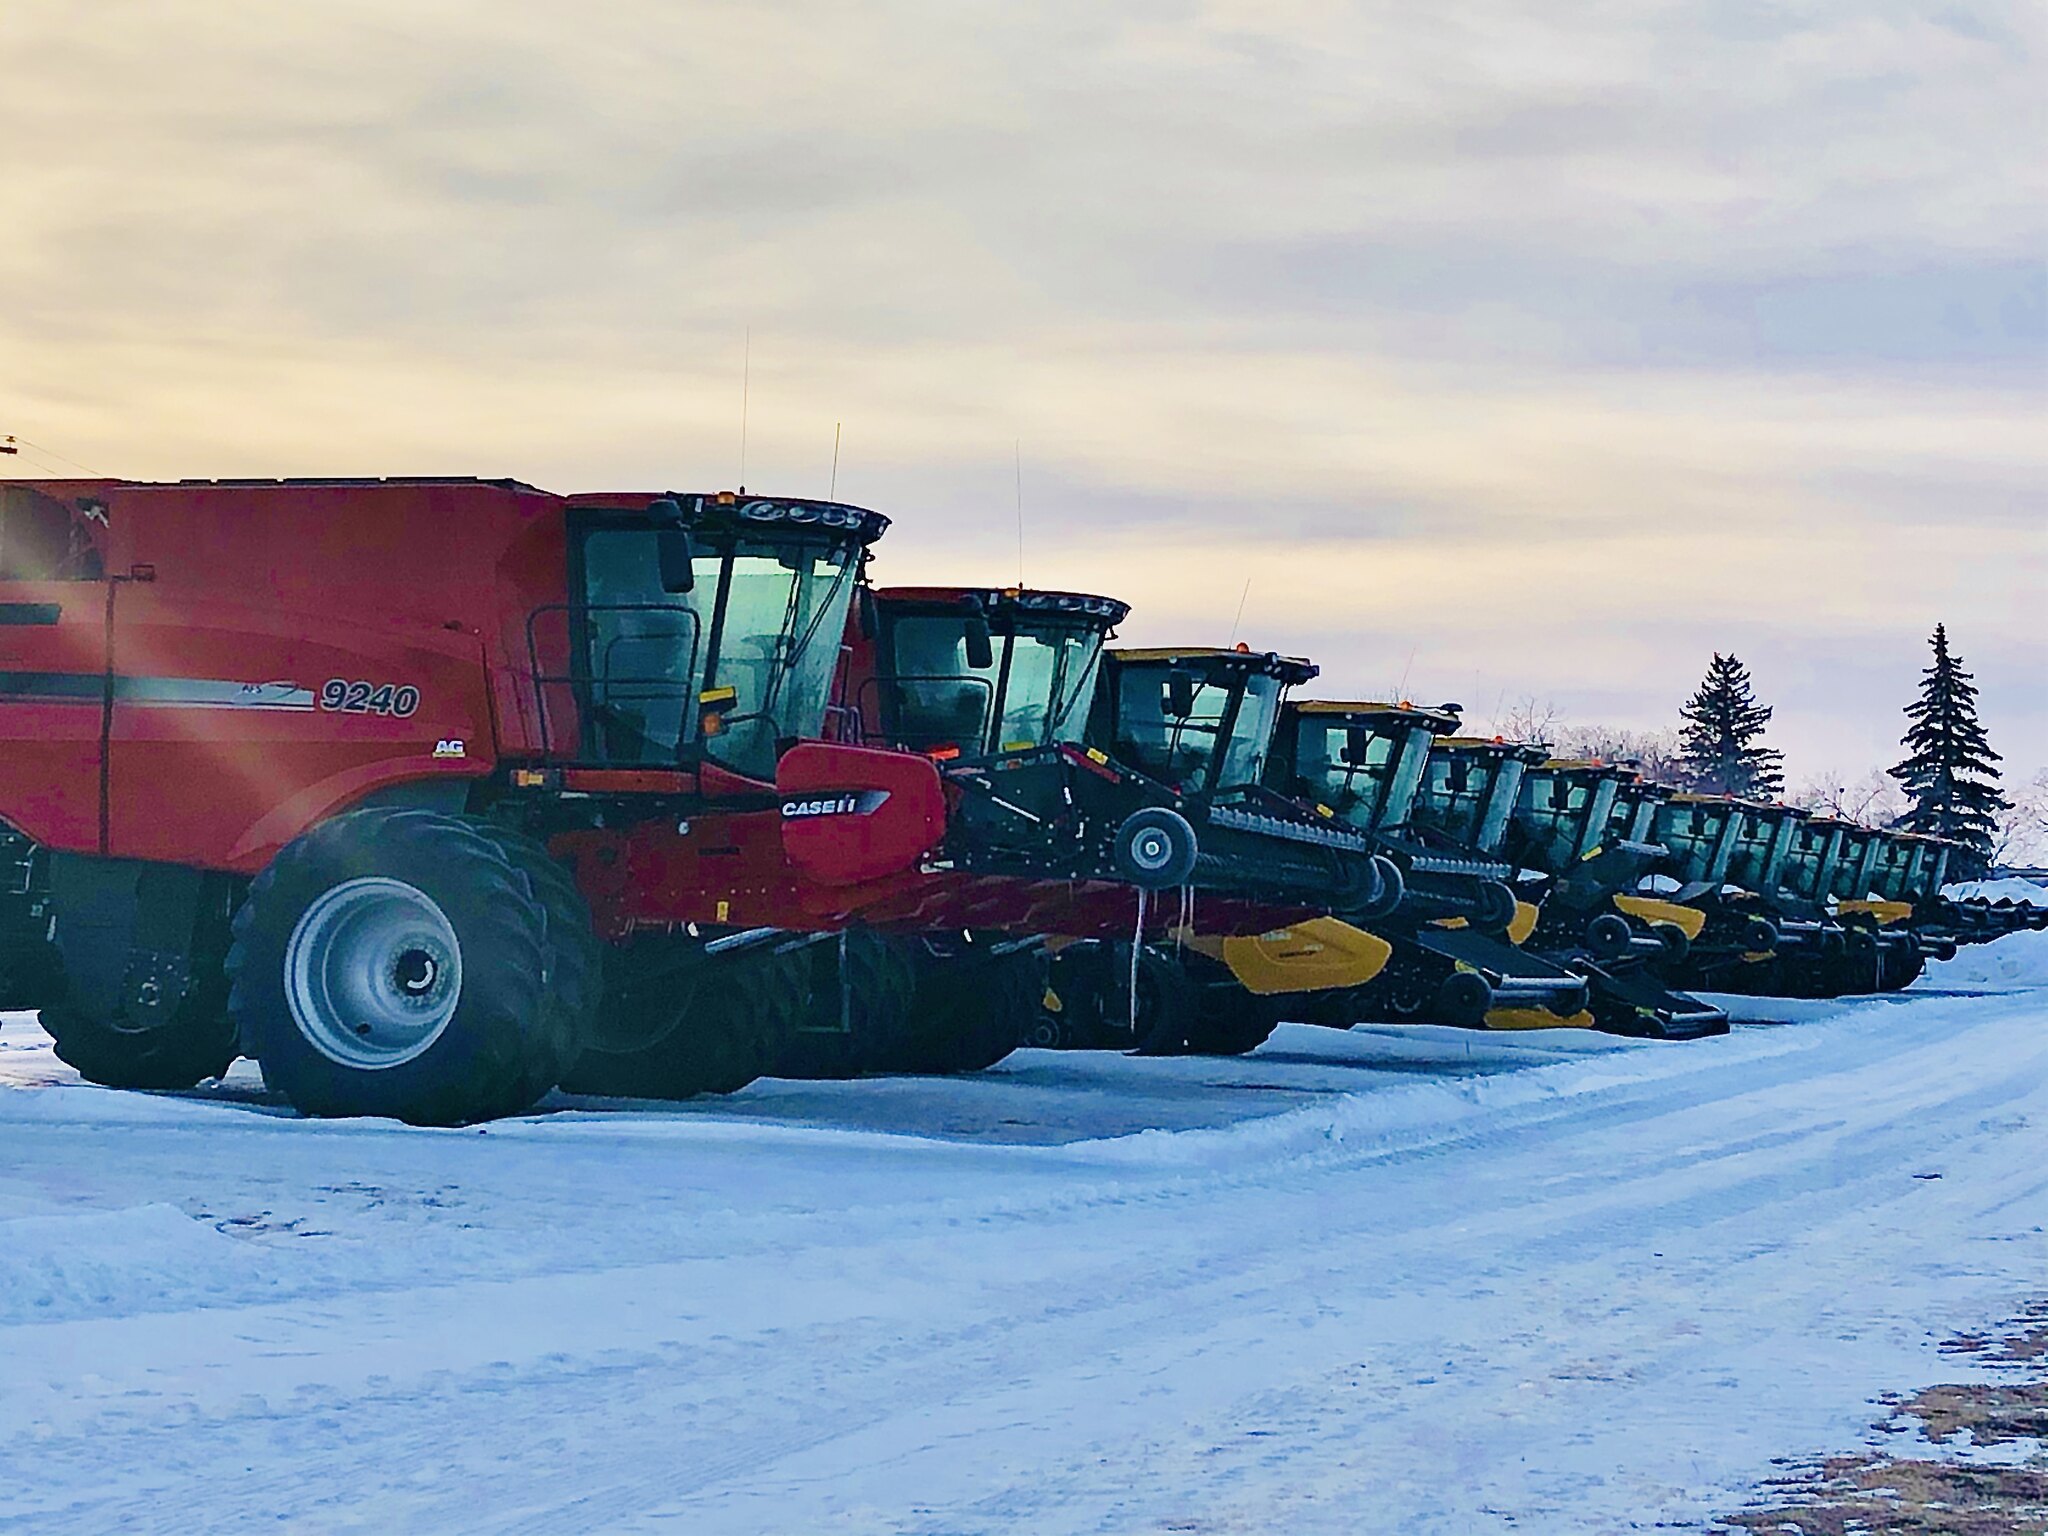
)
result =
(851, 814)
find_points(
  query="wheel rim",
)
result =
(1151, 850)
(373, 973)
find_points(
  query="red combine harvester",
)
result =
(384, 783)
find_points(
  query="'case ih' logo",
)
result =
(853, 802)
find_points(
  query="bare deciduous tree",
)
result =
(1873, 799)
(1526, 719)
(1654, 752)
(2022, 833)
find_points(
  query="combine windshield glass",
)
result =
(1806, 861)
(1891, 876)
(742, 661)
(1692, 833)
(1552, 813)
(1850, 882)
(1749, 864)
(779, 611)
(1629, 820)
(1190, 751)
(1367, 774)
(1034, 692)
(1454, 795)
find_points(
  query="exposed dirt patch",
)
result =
(1952, 1491)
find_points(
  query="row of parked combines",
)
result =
(432, 795)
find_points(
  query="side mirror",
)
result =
(1177, 694)
(1460, 777)
(981, 644)
(675, 552)
(1357, 746)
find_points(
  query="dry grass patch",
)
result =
(1871, 1494)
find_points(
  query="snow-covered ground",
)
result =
(1392, 1281)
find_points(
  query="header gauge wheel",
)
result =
(1155, 849)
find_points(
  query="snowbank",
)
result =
(2011, 888)
(2017, 960)
(125, 1261)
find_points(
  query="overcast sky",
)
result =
(1506, 349)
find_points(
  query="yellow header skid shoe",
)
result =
(1886, 912)
(1687, 920)
(1524, 923)
(1315, 956)
(1536, 1018)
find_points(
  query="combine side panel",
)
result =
(272, 720)
(53, 685)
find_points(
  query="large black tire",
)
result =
(176, 1044)
(858, 1011)
(31, 974)
(1169, 1001)
(731, 1021)
(575, 956)
(1092, 980)
(970, 1010)
(195, 1042)
(446, 945)
(1230, 1021)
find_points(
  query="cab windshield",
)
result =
(1850, 882)
(1552, 812)
(1220, 743)
(740, 663)
(1629, 820)
(1455, 794)
(1749, 864)
(1891, 876)
(1805, 860)
(1367, 775)
(1034, 691)
(1692, 833)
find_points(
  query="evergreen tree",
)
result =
(1952, 773)
(1717, 751)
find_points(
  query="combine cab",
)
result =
(1436, 811)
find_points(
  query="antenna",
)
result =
(1247, 592)
(746, 381)
(1401, 691)
(833, 493)
(1019, 445)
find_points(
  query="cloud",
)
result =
(1555, 346)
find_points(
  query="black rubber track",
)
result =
(503, 1038)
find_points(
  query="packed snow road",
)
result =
(1402, 1281)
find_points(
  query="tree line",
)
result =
(1948, 783)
